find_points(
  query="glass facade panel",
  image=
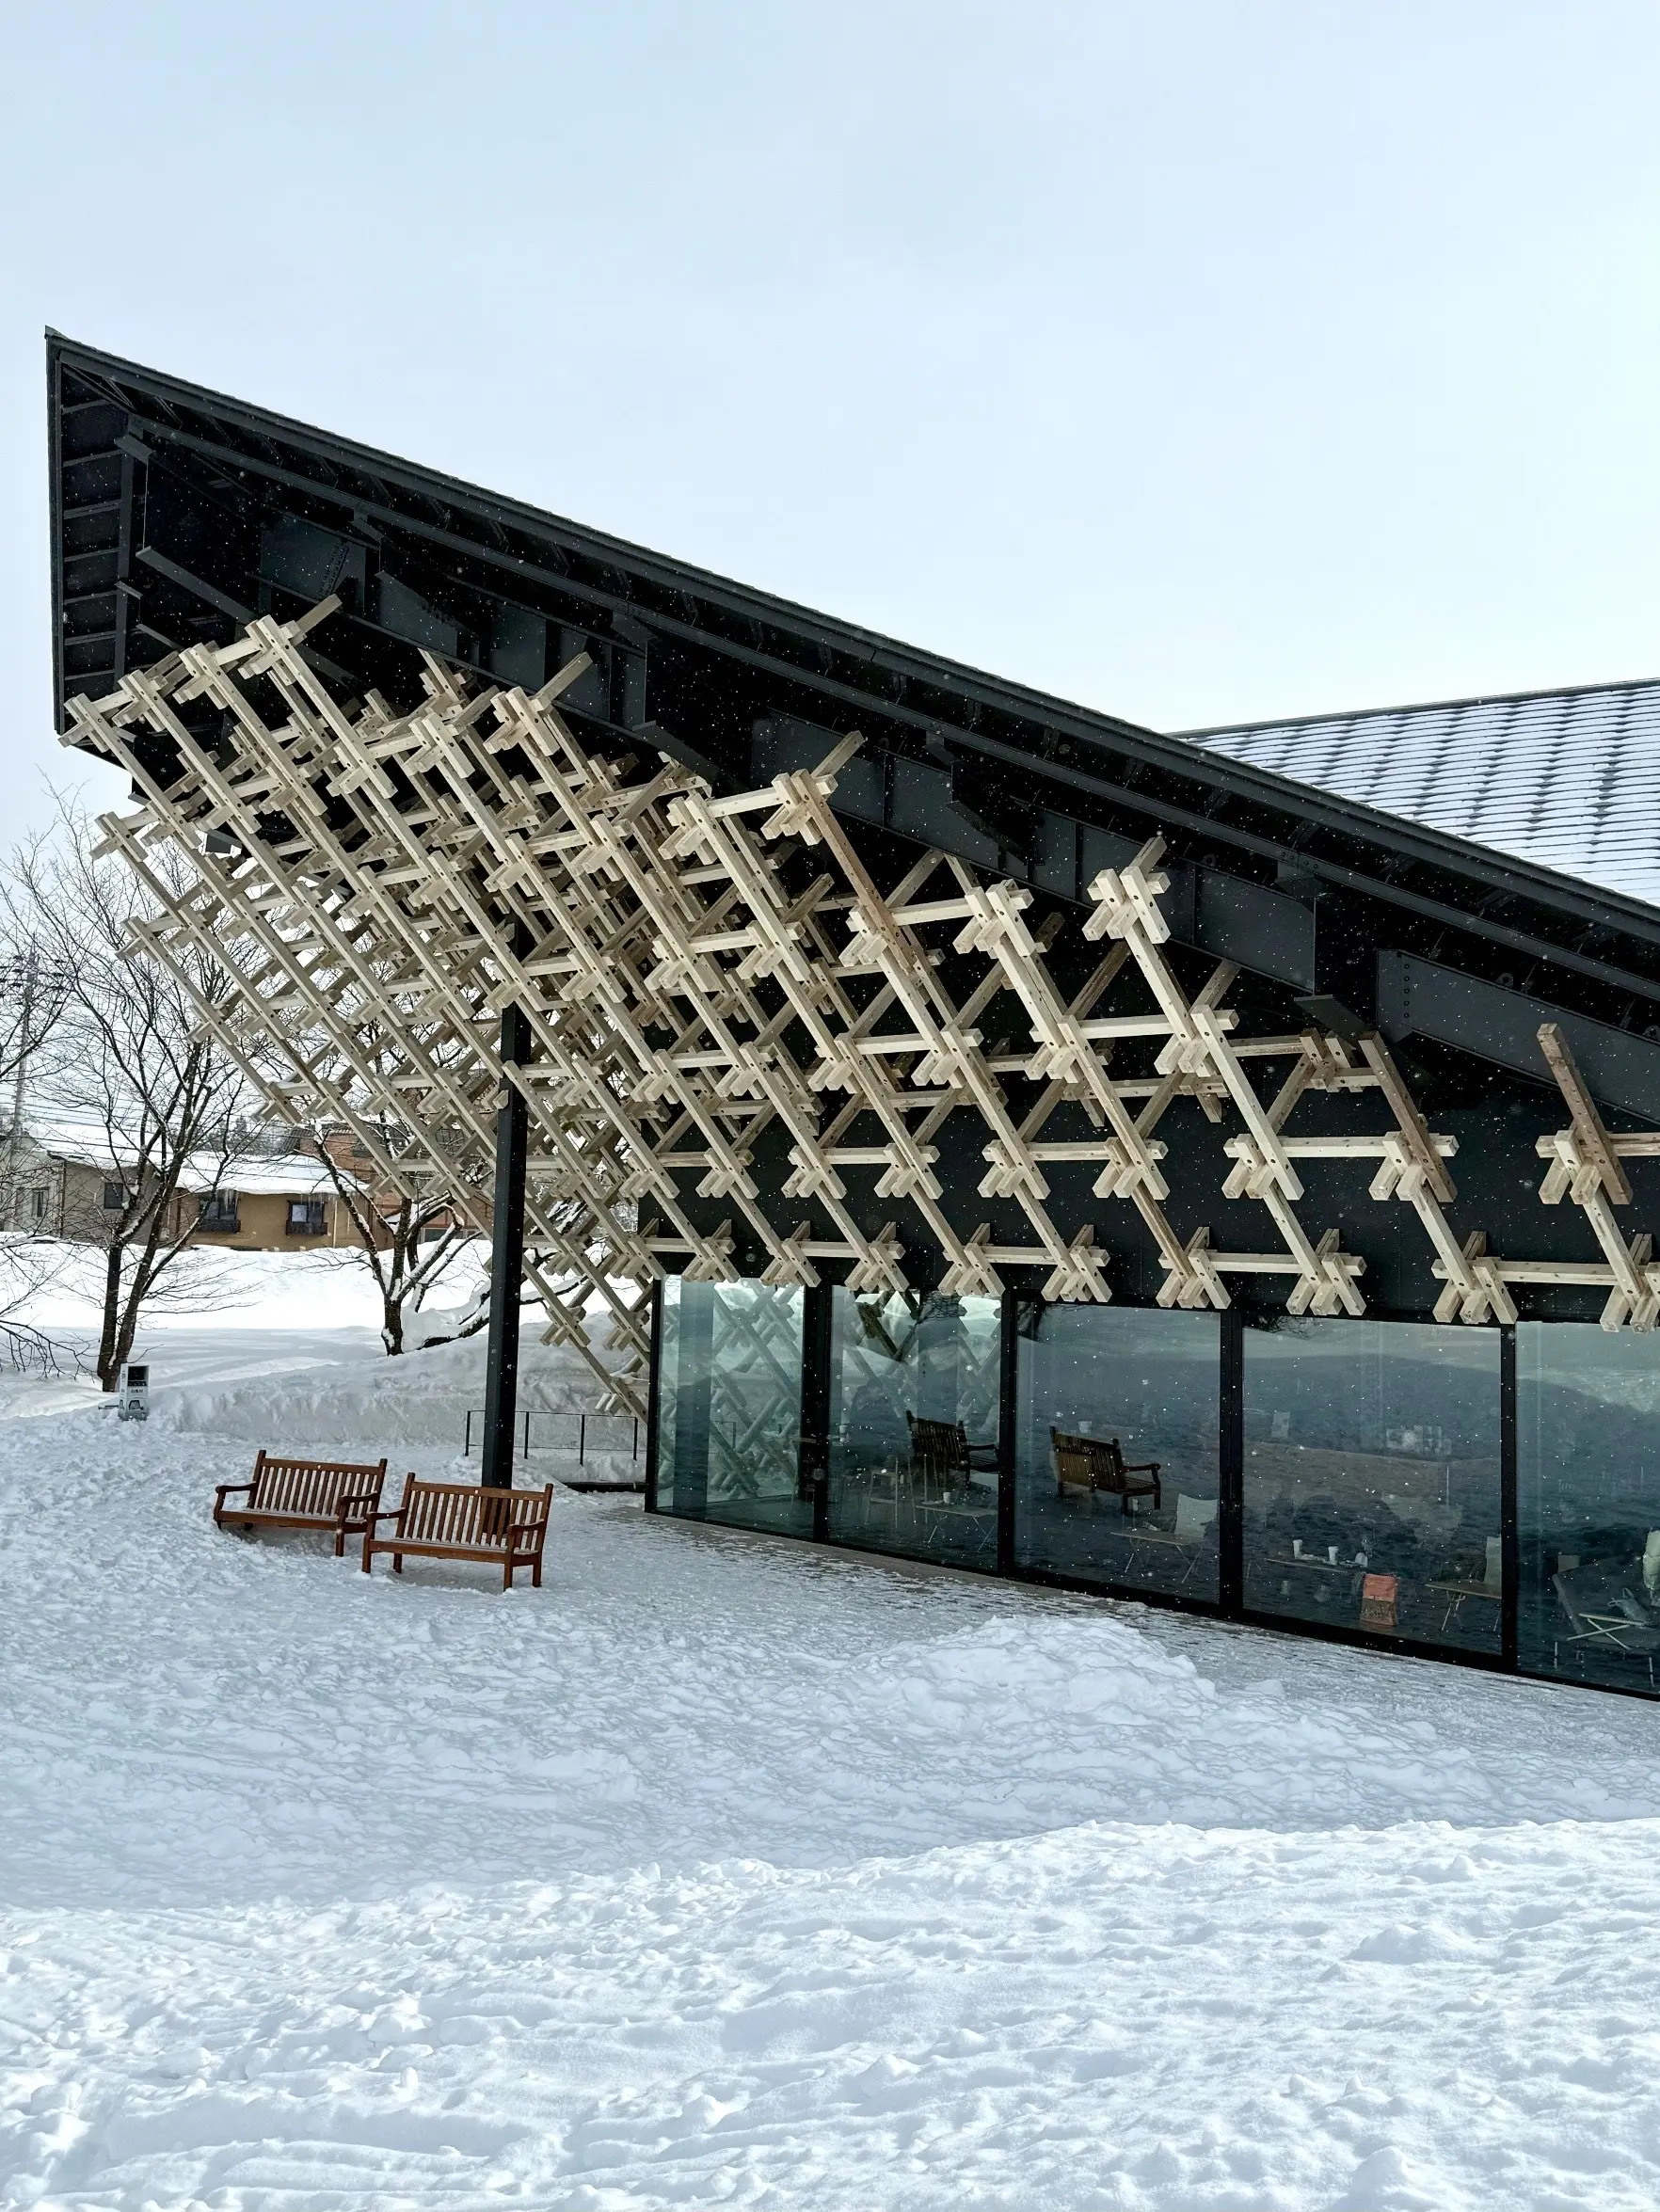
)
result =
(914, 1424)
(1587, 1499)
(729, 1406)
(1372, 1478)
(1116, 1456)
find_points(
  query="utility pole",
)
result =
(25, 971)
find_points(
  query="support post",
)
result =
(507, 1261)
(813, 1480)
(1509, 1528)
(1008, 1414)
(1231, 1471)
(653, 1382)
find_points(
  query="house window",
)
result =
(218, 1210)
(115, 1197)
(41, 1204)
(305, 1217)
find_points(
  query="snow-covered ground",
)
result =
(721, 1871)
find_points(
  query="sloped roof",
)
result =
(249, 1174)
(1567, 780)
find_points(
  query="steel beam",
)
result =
(506, 1260)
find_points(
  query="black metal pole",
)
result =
(1510, 1526)
(507, 1262)
(1230, 1473)
(1008, 1416)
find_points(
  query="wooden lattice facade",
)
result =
(774, 961)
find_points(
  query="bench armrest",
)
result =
(228, 1489)
(386, 1513)
(358, 1498)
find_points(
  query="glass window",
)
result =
(729, 1406)
(1116, 1453)
(115, 1197)
(1372, 1477)
(1587, 1500)
(914, 1388)
(305, 1217)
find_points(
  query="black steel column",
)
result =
(813, 1477)
(506, 1260)
(1231, 1470)
(1509, 1534)
(651, 1397)
(1008, 1397)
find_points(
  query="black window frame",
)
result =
(215, 1207)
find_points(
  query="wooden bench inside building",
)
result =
(941, 1455)
(464, 1521)
(1096, 1465)
(333, 1495)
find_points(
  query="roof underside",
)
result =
(178, 514)
(1565, 780)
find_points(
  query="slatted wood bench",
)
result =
(464, 1521)
(1097, 1466)
(334, 1495)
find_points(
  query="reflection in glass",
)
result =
(914, 1424)
(729, 1406)
(1372, 1477)
(1587, 1495)
(1116, 1448)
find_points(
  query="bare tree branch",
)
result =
(153, 1099)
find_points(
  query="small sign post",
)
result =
(134, 1401)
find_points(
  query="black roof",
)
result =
(178, 513)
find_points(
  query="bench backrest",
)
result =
(469, 1516)
(940, 1446)
(310, 1486)
(1079, 1459)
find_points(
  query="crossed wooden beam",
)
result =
(372, 888)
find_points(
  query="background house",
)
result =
(270, 1205)
(69, 1184)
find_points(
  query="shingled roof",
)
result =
(1567, 780)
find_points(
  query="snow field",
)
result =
(1095, 2018)
(725, 1872)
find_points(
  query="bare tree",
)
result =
(154, 1102)
(29, 1266)
(407, 1242)
(33, 990)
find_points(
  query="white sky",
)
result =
(1196, 362)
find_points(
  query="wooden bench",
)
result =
(464, 1521)
(941, 1455)
(329, 1494)
(1097, 1465)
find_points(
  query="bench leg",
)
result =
(368, 1551)
(536, 1572)
(397, 1563)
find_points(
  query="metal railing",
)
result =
(585, 1426)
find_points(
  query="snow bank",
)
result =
(729, 1871)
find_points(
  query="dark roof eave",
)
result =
(1176, 755)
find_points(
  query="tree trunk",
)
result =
(391, 1324)
(109, 1347)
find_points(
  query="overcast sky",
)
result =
(1199, 362)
